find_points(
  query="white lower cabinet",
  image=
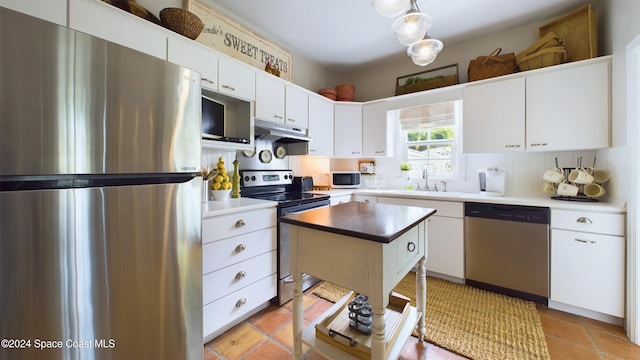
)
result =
(445, 234)
(365, 198)
(233, 306)
(337, 200)
(587, 265)
(239, 265)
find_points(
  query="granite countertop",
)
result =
(375, 222)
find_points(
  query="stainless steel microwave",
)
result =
(345, 179)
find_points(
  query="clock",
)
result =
(265, 156)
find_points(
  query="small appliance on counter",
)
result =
(345, 179)
(492, 180)
(303, 183)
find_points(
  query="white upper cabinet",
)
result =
(569, 109)
(347, 130)
(236, 79)
(566, 107)
(377, 130)
(54, 11)
(494, 116)
(110, 23)
(320, 126)
(195, 56)
(296, 107)
(270, 97)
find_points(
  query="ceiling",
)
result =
(341, 35)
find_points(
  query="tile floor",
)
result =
(267, 335)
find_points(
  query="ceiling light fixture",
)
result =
(390, 8)
(424, 52)
(412, 26)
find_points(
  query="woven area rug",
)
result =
(474, 323)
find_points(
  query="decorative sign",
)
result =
(228, 37)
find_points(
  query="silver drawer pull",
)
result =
(240, 275)
(228, 87)
(240, 223)
(207, 80)
(585, 241)
(241, 247)
(584, 220)
(241, 302)
(411, 246)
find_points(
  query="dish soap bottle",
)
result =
(235, 185)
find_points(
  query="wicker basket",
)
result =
(542, 58)
(182, 22)
(547, 51)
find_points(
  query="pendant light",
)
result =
(412, 26)
(390, 8)
(425, 51)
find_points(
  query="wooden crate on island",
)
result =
(578, 32)
(335, 329)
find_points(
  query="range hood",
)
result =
(266, 130)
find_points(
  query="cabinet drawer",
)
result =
(232, 278)
(223, 253)
(225, 226)
(223, 311)
(444, 208)
(410, 248)
(587, 270)
(601, 223)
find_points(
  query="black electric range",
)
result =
(280, 186)
(291, 194)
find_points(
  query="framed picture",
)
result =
(367, 167)
(427, 80)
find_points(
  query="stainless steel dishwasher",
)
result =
(507, 249)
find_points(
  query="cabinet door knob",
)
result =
(241, 274)
(240, 247)
(584, 220)
(241, 302)
(240, 223)
(411, 246)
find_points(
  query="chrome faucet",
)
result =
(425, 176)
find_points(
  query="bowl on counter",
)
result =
(221, 194)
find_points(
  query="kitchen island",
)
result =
(367, 248)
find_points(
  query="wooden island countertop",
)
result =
(375, 222)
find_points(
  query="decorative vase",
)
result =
(235, 180)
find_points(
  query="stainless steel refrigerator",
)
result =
(100, 210)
